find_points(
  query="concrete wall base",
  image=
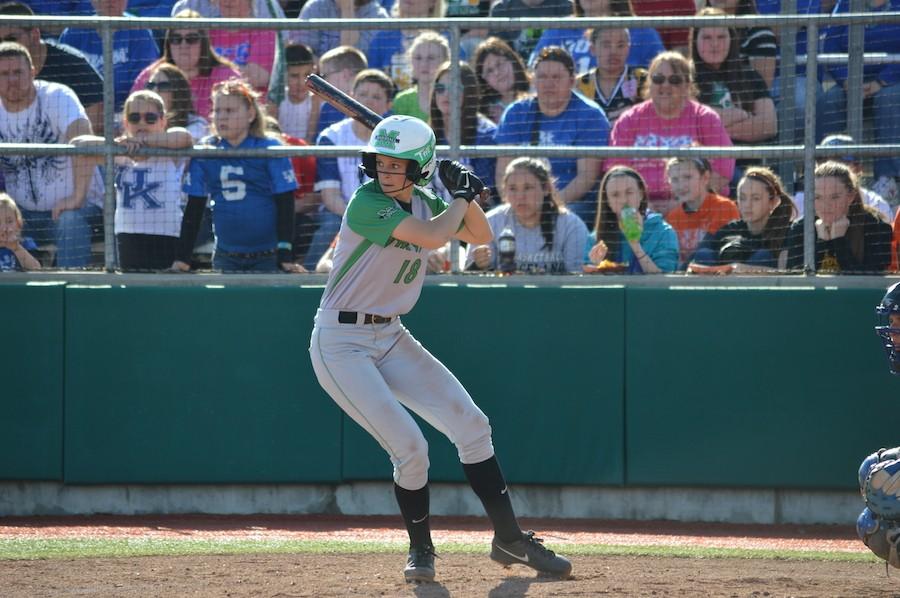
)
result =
(765, 506)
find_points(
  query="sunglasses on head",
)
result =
(149, 117)
(441, 88)
(191, 39)
(158, 86)
(673, 79)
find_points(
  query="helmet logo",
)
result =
(387, 139)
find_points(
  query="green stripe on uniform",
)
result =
(354, 257)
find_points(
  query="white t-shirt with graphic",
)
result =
(148, 196)
(39, 182)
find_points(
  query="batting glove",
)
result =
(459, 180)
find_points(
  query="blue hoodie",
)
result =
(878, 38)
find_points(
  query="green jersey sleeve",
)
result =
(373, 215)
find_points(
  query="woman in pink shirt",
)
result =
(670, 118)
(190, 50)
(252, 50)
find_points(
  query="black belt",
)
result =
(352, 317)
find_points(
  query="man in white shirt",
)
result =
(49, 190)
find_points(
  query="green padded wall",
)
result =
(31, 368)
(544, 364)
(195, 385)
(760, 388)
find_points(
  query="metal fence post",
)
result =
(109, 109)
(809, 151)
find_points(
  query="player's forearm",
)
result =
(26, 260)
(476, 229)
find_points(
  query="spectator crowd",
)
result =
(569, 86)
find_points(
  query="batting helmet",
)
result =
(404, 137)
(886, 312)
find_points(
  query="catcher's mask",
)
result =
(890, 334)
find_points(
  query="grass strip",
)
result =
(70, 548)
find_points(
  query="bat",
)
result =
(342, 101)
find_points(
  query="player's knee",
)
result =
(411, 472)
(476, 445)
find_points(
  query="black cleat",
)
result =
(420, 564)
(530, 551)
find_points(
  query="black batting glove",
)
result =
(459, 180)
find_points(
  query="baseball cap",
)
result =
(837, 141)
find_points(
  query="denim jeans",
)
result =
(799, 104)
(832, 118)
(329, 224)
(71, 233)
(229, 262)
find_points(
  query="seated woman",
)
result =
(502, 75)
(756, 242)
(850, 237)
(758, 44)
(475, 128)
(189, 49)
(173, 87)
(548, 237)
(670, 117)
(627, 231)
(730, 86)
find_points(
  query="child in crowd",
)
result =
(427, 53)
(614, 83)
(14, 249)
(294, 110)
(148, 189)
(338, 178)
(253, 211)
(698, 210)
(549, 238)
(339, 66)
(626, 231)
(756, 242)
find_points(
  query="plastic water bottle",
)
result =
(630, 226)
(506, 249)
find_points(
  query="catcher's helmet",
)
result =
(405, 137)
(890, 335)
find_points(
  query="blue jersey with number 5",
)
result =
(242, 191)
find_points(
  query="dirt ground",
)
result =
(458, 575)
(326, 575)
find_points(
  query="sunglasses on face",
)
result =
(191, 39)
(149, 117)
(672, 79)
(440, 88)
(158, 86)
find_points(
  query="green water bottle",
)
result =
(631, 228)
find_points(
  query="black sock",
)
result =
(487, 481)
(414, 509)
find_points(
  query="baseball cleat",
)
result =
(420, 564)
(530, 551)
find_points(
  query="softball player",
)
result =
(372, 366)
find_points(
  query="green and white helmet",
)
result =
(405, 137)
